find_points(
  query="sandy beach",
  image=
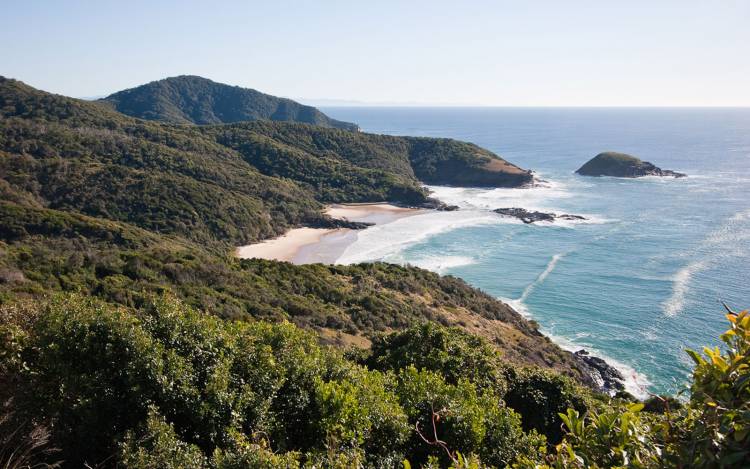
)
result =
(324, 245)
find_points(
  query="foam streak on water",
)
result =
(727, 241)
(540, 279)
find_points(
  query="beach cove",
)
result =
(307, 245)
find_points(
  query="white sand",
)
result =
(378, 214)
(283, 248)
(325, 245)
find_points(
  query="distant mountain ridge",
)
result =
(189, 99)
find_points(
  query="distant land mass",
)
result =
(610, 163)
(189, 99)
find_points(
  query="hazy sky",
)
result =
(521, 53)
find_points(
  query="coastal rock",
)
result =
(330, 222)
(435, 204)
(609, 379)
(615, 164)
(528, 216)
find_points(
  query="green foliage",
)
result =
(361, 412)
(167, 386)
(240, 453)
(158, 446)
(452, 162)
(217, 185)
(194, 100)
(49, 250)
(709, 431)
(447, 417)
(450, 352)
(610, 439)
(720, 400)
(540, 396)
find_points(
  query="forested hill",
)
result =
(131, 337)
(229, 183)
(191, 99)
(122, 208)
(131, 206)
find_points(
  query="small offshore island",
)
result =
(610, 163)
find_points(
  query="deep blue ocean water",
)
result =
(641, 280)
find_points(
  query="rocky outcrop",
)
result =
(435, 204)
(615, 164)
(527, 216)
(330, 222)
(608, 378)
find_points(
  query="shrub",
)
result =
(449, 418)
(719, 414)
(540, 396)
(449, 352)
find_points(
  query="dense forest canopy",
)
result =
(233, 183)
(190, 99)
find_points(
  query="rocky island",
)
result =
(615, 164)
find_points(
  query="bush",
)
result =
(449, 352)
(449, 418)
(540, 396)
(719, 414)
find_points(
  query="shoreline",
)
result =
(325, 245)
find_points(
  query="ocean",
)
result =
(638, 282)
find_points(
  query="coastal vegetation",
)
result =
(167, 386)
(130, 336)
(229, 184)
(190, 99)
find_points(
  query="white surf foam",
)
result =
(539, 197)
(382, 241)
(543, 197)
(635, 383)
(442, 264)
(681, 286)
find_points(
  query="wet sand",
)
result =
(324, 245)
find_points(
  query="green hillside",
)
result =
(195, 100)
(130, 336)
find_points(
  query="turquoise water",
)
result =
(642, 279)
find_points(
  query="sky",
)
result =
(480, 53)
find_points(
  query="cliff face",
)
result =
(622, 165)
